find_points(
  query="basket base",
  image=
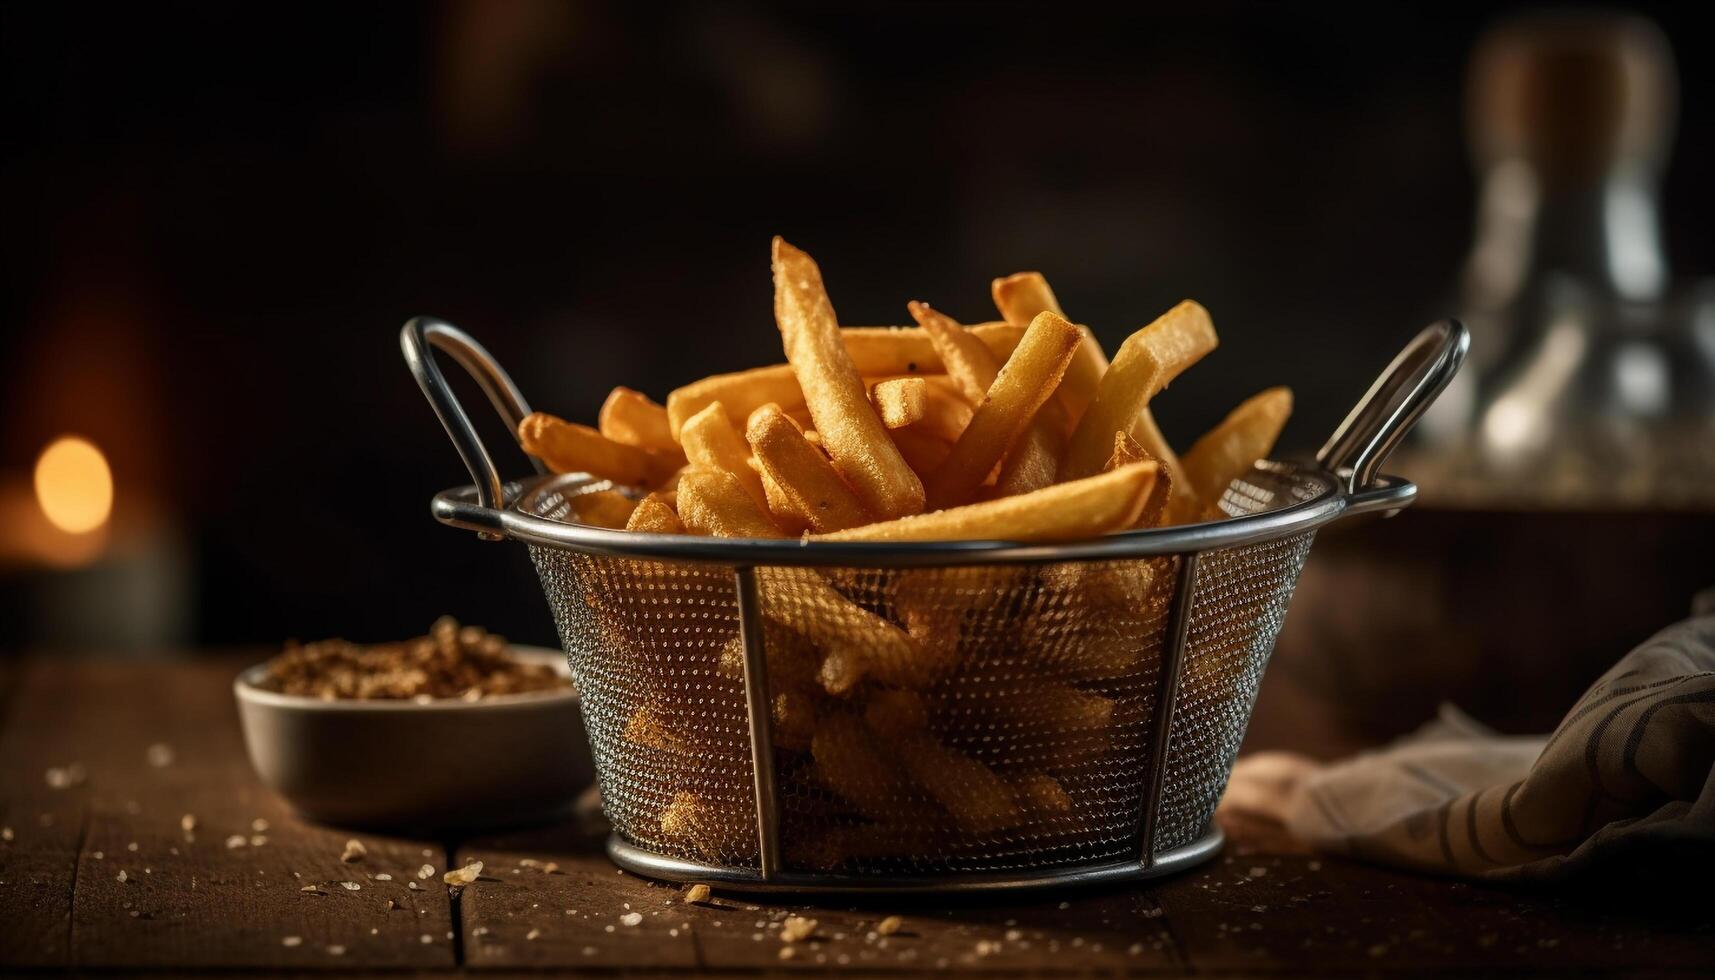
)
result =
(652, 865)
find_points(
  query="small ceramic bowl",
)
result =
(503, 760)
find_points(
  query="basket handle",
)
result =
(417, 339)
(1380, 420)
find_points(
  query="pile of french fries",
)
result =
(1018, 429)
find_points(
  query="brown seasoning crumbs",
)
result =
(451, 662)
(796, 928)
(889, 925)
(696, 894)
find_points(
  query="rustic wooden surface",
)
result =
(548, 899)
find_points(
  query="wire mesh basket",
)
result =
(966, 715)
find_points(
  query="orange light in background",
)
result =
(74, 485)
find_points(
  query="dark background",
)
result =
(216, 216)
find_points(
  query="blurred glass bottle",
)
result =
(1591, 381)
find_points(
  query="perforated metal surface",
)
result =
(925, 721)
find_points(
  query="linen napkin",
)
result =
(1630, 771)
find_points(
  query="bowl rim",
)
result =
(247, 687)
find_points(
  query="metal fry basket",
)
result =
(961, 715)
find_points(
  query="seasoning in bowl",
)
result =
(452, 661)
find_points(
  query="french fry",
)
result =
(1230, 449)
(1146, 362)
(978, 800)
(568, 447)
(602, 508)
(1058, 725)
(945, 415)
(798, 471)
(1021, 296)
(712, 501)
(707, 827)
(741, 392)
(791, 659)
(854, 437)
(899, 401)
(1041, 796)
(1035, 459)
(877, 353)
(655, 515)
(630, 417)
(1023, 384)
(1126, 450)
(896, 713)
(850, 762)
(649, 726)
(856, 643)
(1075, 509)
(1148, 435)
(782, 506)
(794, 715)
(923, 452)
(711, 441)
(906, 350)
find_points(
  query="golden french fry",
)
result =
(854, 437)
(603, 508)
(630, 417)
(969, 362)
(649, 726)
(794, 716)
(1230, 449)
(1126, 450)
(1042, 796)
(741, 392)
(1146, 362)
(1148, 435)
(783, 506)
(1160, 497)
(655, 515)
(877, 353)
(978, 800)
(1021, 296)
(1075, 509)
(791, 659)
(923, 452)
(568, 447)
(849, 762)
(1035, 459)
(856, 643)
(710, 829)
(906, 350)
(899, 401)
(895, 713)
(711, 441)
(945, 415)
(712, 501)
(805, 479)
(1023, 384)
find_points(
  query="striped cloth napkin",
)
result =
(1631, 770)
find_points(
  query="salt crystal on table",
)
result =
(292, 941)
(696, 893)
(631, 918)
(160, 755)
(354, 851)
(426, 872)
(797, 927)
(459, 877)
(236, 841)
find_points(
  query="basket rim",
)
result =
(459, 507)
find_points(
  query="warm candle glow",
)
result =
(74, 485)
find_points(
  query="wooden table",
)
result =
(102, 874)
